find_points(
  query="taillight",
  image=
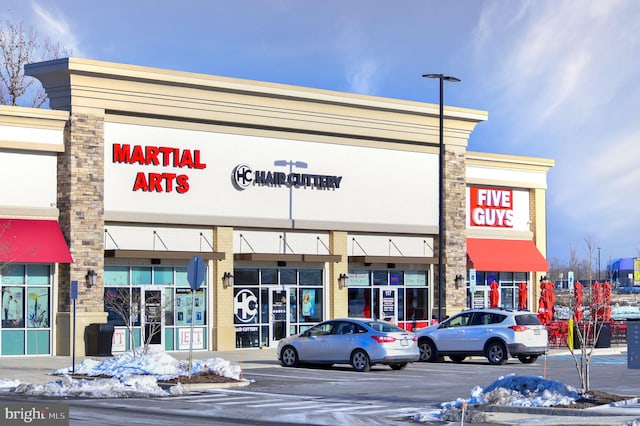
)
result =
(384, 339)
(517, 328)
(415, 339)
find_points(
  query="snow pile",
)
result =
(524, 391)
(124, 375)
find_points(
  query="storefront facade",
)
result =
(304, 204)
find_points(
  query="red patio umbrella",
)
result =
(606, 297)
(494, 295)
(577, 298)
(522, 295)
(546, 302)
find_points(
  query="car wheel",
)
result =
(399, 366)
(497, 353)
(360, 361)
(528, 359)
(289, 357)
(457, 358)
(427, 351)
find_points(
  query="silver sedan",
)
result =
(359, 342)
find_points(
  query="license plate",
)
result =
(536, 332)
(404, 342)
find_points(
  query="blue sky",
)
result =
(558, 77)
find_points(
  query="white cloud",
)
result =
(562, 74)
(362, 77)
(51, 23)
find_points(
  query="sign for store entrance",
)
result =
(491, 207)
(195, 272)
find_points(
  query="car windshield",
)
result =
(384, 327)
(529, 319)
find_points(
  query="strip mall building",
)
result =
(304, 204)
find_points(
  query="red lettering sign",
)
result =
(491, 207)
(159, 156)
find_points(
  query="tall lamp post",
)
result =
(442, 79)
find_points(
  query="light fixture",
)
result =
(342, 281)
(459, 280)
(227, 280)
(442, 79)
(91, 278)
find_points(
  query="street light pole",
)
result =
(442, 79)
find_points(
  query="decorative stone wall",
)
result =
(80, 201)
(455, 242)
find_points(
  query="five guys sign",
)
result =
(169, 157)
(491, 207)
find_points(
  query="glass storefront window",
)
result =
(168, 302)
(508, 283)
(39, 274)
(269, 276)
(246, 277)
(163, 276)
(273, 309)
(116, 275)
(311, 277)
(408, 290)
(181, 277)
(26, 309)
(140, 275)
(288, 276)
(380, 278)
(13, 274)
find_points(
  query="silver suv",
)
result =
(492, 333)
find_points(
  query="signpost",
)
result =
(73, 293)
(195, 277)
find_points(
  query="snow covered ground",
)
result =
(138, 376)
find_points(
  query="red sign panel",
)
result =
(491, 207)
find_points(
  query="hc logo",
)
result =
(245, 306)
(242, 176)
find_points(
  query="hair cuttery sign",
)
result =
(491, 207)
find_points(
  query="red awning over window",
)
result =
(32, 241)
(505, 255)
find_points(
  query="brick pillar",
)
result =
(338, 298)
(223, 330)
(81, 205)
(455, 242)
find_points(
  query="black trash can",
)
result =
(604, 339)
(98, 339)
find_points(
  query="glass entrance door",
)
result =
(480, 298)
(279, 306)
(389, 304)
(152, 318)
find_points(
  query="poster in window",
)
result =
(38, 307)
(12, 307)
(308, 304)
(184, 302)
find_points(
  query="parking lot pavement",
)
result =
(37, 370)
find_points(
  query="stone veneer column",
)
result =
(223, 331)
(338, 298)
(455, 242)
(81, 206)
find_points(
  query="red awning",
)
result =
(32, 241)
(505, 255)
